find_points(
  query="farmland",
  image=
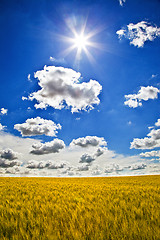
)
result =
(80, 208)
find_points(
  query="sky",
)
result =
(80, 88)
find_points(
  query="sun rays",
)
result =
(82, 42)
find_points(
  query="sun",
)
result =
(80, 41)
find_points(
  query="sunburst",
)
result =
(82, 42)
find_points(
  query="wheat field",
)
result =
(80, 208)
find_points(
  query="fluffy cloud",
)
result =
(113, 168)
(150, 154)
(145, 93)
(3, 111)
(139, 33)
(49, 147)
(38, 126)
(144, 143)
(83, 168)
(157, 124)
(154, 134)
(121, 2)
(89, 141)
(150, 142)
(6, 163)
(8, 154)
(86, 158)
(42, 164)
(99, 152)
(61, 87)
(138, 167)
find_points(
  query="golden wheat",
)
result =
(80, 208)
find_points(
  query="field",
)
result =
(80, 208)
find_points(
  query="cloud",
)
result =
(83, 168)
(154, 75)
(151, 141)
(1, 127)
(144, 143)
(145, 93)
(3, 111)
(113, 168)
(86, 158)
(61, 87)
(150, 154)
(49, 147)
(89, 141)
(8, 154)
(24, 98)
(38, 126)
(138, 167)
(99, 152)
(6, 163)
(51, 165)
(154, 134)
(121, 2)
(29, 78)
(139, 33)
(43, 164)
(96, 172)
(57, 60)
(157, 124)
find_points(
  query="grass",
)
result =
(80, 208)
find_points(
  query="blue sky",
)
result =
(125, 48)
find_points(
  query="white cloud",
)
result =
(1, 127)
(138, 167)
(145, 93)
(45, 164)
(38, 126)
(154, 75)
(150, 154)
(154, 134)
(157, 124)
(144, 143)
(49, 147)
(121, 2)
(83, 167)
(89, 141)
(29, 78)
(99, 151)
(3, 111)
(139, 33)
(24, 98)
(6, 163)
(61, 87)
(113, 168)
(56, 164)
(8, 154)
(150, 142)
(57, 60)
(86, 158)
